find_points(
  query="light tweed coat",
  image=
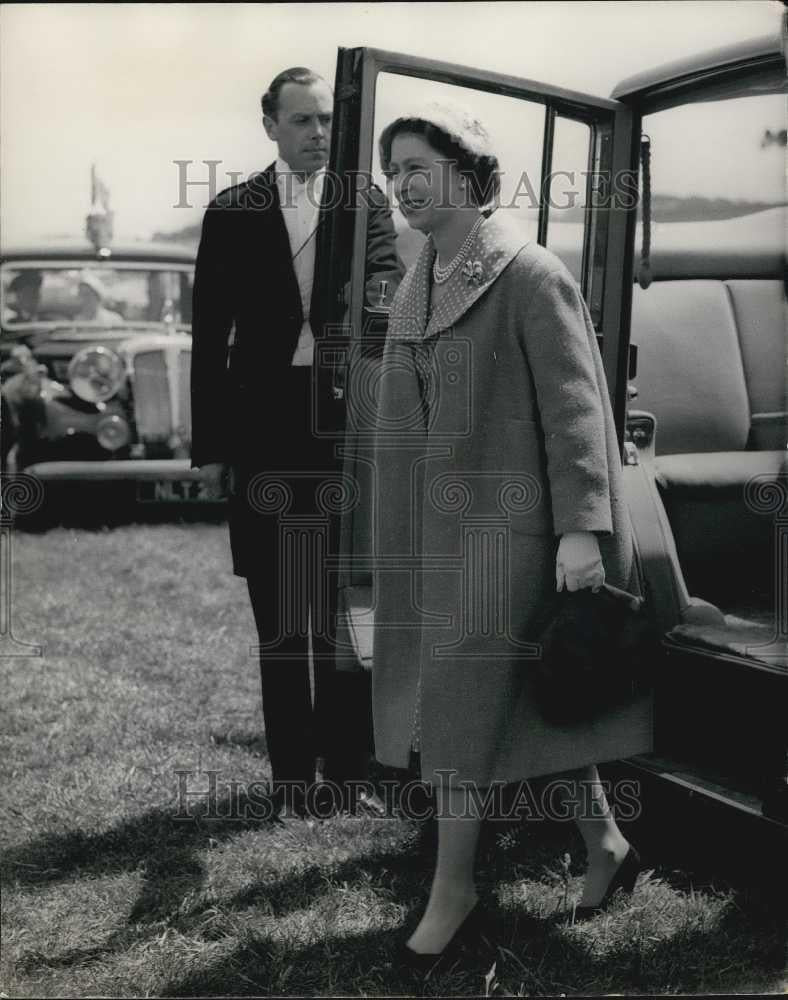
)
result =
(494, 436)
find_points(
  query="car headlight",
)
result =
(95, 374)
(113, 432)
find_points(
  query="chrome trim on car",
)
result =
(115, 469)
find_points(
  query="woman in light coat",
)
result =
(498, 480)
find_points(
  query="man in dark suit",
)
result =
(259, 410)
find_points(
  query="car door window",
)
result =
(567, 198)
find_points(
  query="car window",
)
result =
(110, 296)
(517, 131)
(567, 192)
(715, 162)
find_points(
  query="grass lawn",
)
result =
(113, 885)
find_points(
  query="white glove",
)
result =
(579, 562)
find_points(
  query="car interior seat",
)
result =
(711, 368)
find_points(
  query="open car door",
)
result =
(565, 176)
(569, 167)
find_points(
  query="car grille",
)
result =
(160, 386)
(152, 402)
(184, 391)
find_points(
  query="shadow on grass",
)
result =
(153, 840)
(178, 876)
(531, 956)
(162, 842)
(633, 949)
(165, 848)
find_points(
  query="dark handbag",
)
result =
(596, 651)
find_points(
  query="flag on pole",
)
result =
(98, 223)
(99, 192)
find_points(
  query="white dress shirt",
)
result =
(300, 203)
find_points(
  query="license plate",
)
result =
(173, 491)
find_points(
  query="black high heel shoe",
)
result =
(624, 879)
(424, 963)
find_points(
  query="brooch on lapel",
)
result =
(472, 272)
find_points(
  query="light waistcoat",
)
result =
(300, 204)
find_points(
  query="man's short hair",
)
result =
(296, 74)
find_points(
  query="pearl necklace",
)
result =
(442, 274)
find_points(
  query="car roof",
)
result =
(695, 68)
(159, 251)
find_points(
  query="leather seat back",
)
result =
(760, 310)
(711, 367)
(690, 370)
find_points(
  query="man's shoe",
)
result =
(371, 804)
(290, 802)
(324, 800)
(331, 799)
(290, 813)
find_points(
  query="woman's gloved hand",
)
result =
(579, 562)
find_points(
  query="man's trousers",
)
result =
(285, 530)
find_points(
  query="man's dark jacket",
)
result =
(245, 284)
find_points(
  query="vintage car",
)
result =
(95, 349)
(666, 201)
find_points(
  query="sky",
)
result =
(135, 87)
